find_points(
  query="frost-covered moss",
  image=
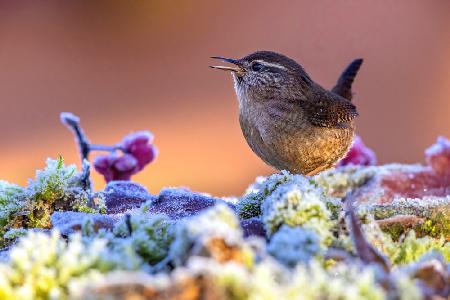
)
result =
(338, 182)
(57, 187)
(268, 281)
(12, 199)
(295, 245)
(297, 203)
(216, 232)
(294, 200)
(15, 233)
(43, 266)
(434, 210)
(249, 205)
(150, 236)
(409, 248)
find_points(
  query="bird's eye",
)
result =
(257, 67)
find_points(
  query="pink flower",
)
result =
(359, 154)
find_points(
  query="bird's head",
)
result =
(265, 74)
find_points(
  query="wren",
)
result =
(288, 120)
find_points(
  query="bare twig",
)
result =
(85, 180)
(73, 123)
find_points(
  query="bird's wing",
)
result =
(343, 86)
(328, 110)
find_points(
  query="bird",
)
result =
(290, 121)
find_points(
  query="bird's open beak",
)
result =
(230, 60)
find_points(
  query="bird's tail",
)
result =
(343, 86)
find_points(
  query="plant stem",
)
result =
(73, 122)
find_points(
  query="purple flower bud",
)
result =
(114, 167)
(103, 165)
(138, 144)
(359, 154)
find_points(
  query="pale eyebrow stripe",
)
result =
(265, 63)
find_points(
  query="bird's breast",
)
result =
(288, 141)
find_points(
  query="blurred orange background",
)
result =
(129, 65)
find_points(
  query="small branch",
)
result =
(105, 148)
